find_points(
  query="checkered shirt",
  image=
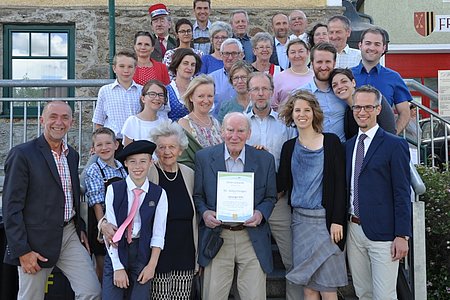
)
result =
(64, 174)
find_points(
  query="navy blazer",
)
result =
(384, 187)
(211, 160)
(33, 201)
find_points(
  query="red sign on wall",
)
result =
(424, 22)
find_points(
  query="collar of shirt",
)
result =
(116, 83)
(314, 87)
(277, 42)
(131, 185)
(370, 133)
(103, 165)
(346, 49)
(360, 68)
(208, 25)
(241, 155)
(272, 114)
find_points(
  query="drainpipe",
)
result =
(112, 35)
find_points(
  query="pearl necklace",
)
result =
(200, 121)
(299, 73)
(164, 173)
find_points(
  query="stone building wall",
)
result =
(92, 42)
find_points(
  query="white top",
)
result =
(159, 223)
(370, 135)
(137, 129)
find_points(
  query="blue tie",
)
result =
(358, 164)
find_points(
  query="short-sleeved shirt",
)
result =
(387, 81)
(115, 104)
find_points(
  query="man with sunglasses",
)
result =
(231, 51)
(378, 181)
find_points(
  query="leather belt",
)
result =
(354, 219)
(233, 228)
(202, 40)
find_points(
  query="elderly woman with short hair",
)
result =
(262, 44)
(218, 33)
(177, 262)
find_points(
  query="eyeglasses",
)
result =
(153, 95)
(261, 48)
(237, 78)
(185, 31)
(221, 38)
(260, 89)
(367, 108)
(232, 54)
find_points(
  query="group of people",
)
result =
(309, 117)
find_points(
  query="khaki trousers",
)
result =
(237, 250)
(76, 265)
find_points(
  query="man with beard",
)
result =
(268, 132)
(297, 24)
(323, 60)
(160, 26)
(280, 27)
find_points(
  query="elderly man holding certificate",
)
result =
(229, 176)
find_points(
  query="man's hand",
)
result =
(336, 232)
(108, 231)
(29, 262)
(399, 248)
(255, 220)
(121, 279)
(260, 147)
(146, 274)
(84, 241)
(209, 217)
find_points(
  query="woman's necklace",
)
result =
(164, 173)
(300, 73)
(205, 124)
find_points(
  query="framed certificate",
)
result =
(235, 196)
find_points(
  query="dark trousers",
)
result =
(135, 290)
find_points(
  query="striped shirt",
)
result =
(64, 174)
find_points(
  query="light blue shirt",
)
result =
(333, 109)
(224, 89)
(270, 132)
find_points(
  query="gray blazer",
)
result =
(208, 162)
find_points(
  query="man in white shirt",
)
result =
(297, 24)
(339, 30)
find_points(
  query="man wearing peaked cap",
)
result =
(139, 209)
(160, 25)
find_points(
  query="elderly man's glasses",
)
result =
(232, 54)
(367, 108)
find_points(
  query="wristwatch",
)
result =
(403, 237)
